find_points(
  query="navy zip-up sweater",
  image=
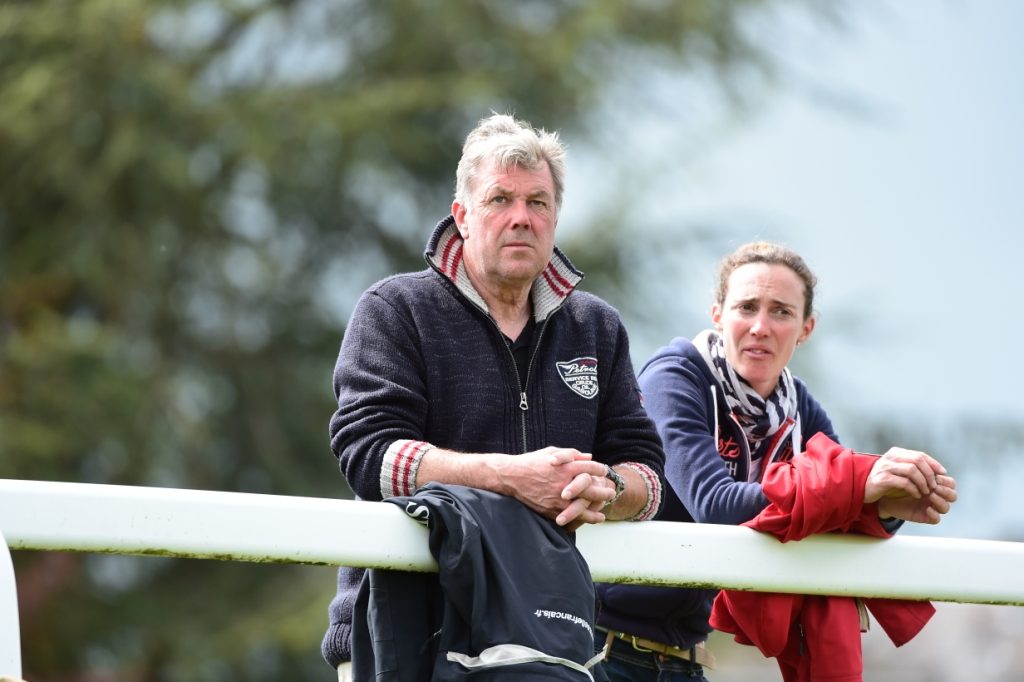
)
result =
(422, 364)
(707, 460)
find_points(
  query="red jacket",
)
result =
(815, 637)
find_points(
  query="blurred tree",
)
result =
(191, 196)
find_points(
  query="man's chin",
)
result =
(521, 273)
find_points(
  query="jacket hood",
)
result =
(682, 348)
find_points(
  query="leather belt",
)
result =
(696, 654)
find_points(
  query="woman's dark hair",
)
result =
(770, 254)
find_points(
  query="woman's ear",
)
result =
(716, 316)
(808, 329)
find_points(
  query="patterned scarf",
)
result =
(760, 418)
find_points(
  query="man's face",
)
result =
(508, 227)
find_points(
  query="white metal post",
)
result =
(10, 637)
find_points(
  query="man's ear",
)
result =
(459, 213)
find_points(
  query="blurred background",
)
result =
(194, 193)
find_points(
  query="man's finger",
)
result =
(581, 510)
(574, 487)
(582, 466)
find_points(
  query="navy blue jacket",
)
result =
(707, 464)
(422, 363)
(488, 594)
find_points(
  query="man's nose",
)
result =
(520, 213)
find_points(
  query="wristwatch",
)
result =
(620, 483)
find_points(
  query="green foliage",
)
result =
(191, 196)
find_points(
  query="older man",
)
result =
(489, 369)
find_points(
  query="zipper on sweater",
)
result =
(523, 404)
(529, 371)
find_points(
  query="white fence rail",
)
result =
(10, 640)
(37, 515)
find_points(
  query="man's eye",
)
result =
(499, 199)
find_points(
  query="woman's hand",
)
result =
(901, 472)
(910, 485)
(928, 509)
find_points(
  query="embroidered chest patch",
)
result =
(580, 375)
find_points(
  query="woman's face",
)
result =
(761, 322)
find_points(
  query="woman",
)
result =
(726, 407)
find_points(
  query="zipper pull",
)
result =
(522, 402)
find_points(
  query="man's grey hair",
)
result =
(508, 143)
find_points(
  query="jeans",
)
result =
(626, 664)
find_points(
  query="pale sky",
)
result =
(911, 216)
(903, 188)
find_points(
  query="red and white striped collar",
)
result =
(550, 289)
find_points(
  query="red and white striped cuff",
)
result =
(653, 484)
(401, 462)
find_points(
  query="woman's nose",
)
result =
(759, 326)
